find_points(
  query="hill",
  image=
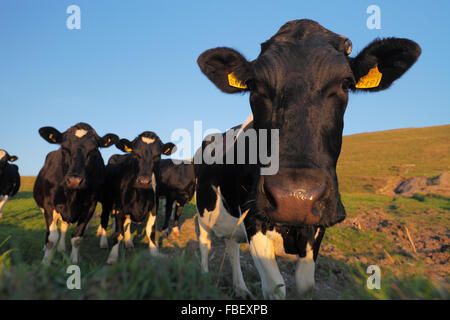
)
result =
(369, 161)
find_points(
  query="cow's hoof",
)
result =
(111, 261)
(104, 242)
(129, 245)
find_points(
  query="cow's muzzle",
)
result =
(296, 196)
(144, 182)
(73, 182)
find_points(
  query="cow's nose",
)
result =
(294, 198)
(144, 180)
(73, 182)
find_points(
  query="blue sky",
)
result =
(132, 65)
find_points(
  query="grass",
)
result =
(366, 164)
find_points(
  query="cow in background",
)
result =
(176, 189)
(9, 178)
(130, 190)
(70, 183)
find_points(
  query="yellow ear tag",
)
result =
(167, 150)
(127, 149)
(371, 79)
(50, 136)
(234, 82)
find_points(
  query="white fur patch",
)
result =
(80, 133)
(148, 140)
(2, 154)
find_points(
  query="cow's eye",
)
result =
(348, 84)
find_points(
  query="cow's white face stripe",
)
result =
(2, 154)
(147, 140)
(80, 133)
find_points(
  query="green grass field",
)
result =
(375, 233)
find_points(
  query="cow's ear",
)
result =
(168, 148)
(51, 135)
(226, 68)
(108, 140)
(382, 62)
(12, 158)
(125, 145)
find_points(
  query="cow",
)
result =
(70, 183)
(177, 188)
(9, 178)
(130, 190)
(299, 87)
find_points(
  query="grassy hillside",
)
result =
(369, 160)
(408, 238)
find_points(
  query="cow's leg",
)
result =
(117, 238)
(304, 274)
(178, 211)
(150, 232)
(77, 235)
(233, 251)
(204, 239)
(3, 200)
(51, 219)
(168, 210)
(104, 220)
(127, 232)
(263, 254)
(62, 239)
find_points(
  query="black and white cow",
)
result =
(70, 183)
(176, 189)
(130, 190)
(9, 178)
(299, 84)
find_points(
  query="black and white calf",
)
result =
(70, 183)
(130, 190)
(299, 85)
(176, 189)
(9, 178)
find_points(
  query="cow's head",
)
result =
(300, 84)
(4, 159)
(79, 152)
(145, 151)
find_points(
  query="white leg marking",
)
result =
(103, 239)
(114, 254)
(204, 239)
(52, 237)
(75, 255)
(263, 254)
(62, 239)
(304, 274)
(148, 231)
(232, 248)
(2, 204)
(127, 228)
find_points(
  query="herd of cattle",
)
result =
(299, 84)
